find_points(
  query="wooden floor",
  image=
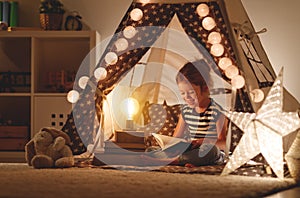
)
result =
(291, 193)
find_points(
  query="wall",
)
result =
(280, 42)
(101, 15)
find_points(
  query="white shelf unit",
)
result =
(39, 103)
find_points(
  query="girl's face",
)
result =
(191, 94)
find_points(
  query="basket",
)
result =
(51, 21)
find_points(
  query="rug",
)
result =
(124, 162)
(20, 180)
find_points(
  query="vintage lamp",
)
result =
(130, 108)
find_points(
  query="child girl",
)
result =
(201, 117)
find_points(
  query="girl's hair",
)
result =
(196, 73)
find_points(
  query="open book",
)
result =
(166, 142)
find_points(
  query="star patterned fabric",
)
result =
(83, 121)
(264, 131)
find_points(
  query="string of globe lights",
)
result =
(217, 50)
(214, 38)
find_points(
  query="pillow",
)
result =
(161, 119)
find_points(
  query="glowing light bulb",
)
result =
(217, 50)
(100, 73)
(129, 32)
(214, 38)
(136, 14)
(224, 63)
(130, 107)
(121, 44)
(82, 82)
(73, 96)
(238, 81)
(257, 95)
(208, 23)
(111, 58)
(231, 71)
(202, 10)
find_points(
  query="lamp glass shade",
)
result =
(130, 107)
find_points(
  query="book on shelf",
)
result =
(1, 8)
(166, 142)
(5, 12)
(13, 14)
(9, 13)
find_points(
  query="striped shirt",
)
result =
(203, 124)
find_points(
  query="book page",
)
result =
(165, 141)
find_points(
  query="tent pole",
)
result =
(229, 132)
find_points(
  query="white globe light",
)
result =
(238, 81)
(144, 1)
(121, 44)
(214, 38)
(231, 71)
(224, 63)
(100, 73)
(257, 95)
(73, 96)
(136, 14)
(202, 10)
(208, 23)
(129, 32)
(217, 50)
(82, 82)
(111, 58)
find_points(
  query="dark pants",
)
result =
(206, 154)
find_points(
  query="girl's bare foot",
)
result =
(189, 165)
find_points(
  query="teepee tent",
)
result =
(153, 40)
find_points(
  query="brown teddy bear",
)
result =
(49, 149)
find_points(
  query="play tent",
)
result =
(153, 40)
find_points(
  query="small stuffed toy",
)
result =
(49, 149)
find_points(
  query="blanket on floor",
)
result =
(246, 170)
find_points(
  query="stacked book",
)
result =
(9, 13)
(129, 140)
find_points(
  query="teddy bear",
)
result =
(49, 149)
